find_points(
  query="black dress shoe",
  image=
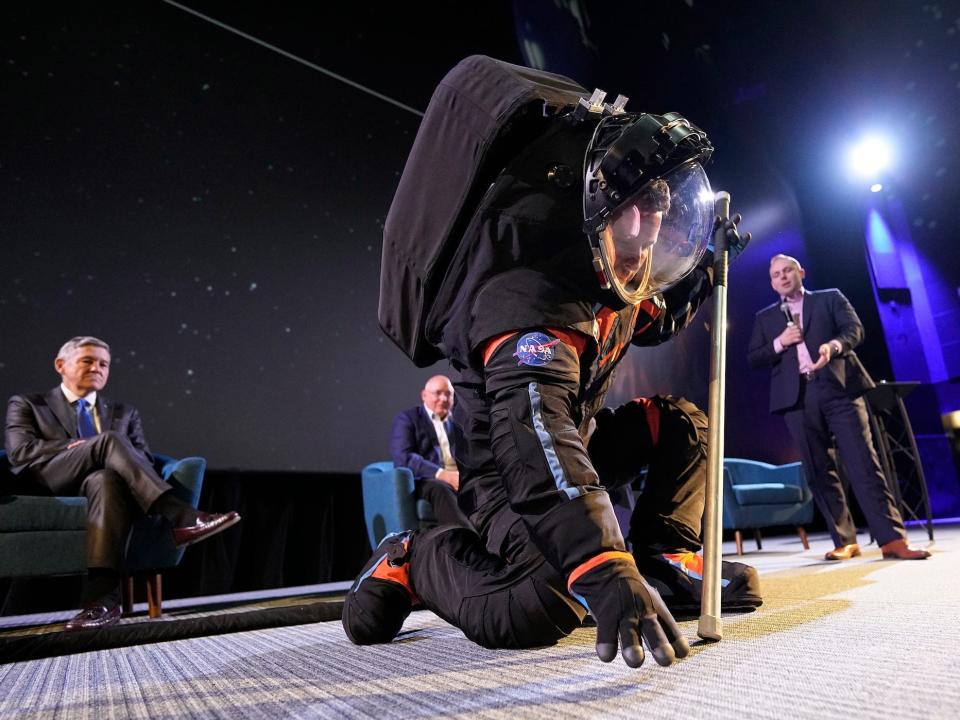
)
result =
(94, 616)
(206, 525)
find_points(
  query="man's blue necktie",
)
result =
(85, 426)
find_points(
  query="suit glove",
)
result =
(736, 243)
(626, 608)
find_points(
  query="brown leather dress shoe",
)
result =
(899, 550)
(207, 525)
(93, 616)
(843, 552)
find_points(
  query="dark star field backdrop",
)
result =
(214, 209)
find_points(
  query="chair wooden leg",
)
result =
(127, 594)
(803, 537)
(756, 536)
(154, 595)
(739, 538)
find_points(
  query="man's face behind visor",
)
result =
(629, 237)
(658, 235)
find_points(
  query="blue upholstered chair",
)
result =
(150, 547)
(40, 534)
(758, 495)
(389, 501)
(44, 535)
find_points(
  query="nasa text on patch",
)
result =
(535, 348)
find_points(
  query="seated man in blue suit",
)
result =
(74, 441)
(425, 440)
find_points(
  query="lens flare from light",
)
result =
(870, 157)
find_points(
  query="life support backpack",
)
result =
(480, 116)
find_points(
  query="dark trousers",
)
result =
(669, 511)
(443, 499)
(824, 410)
(498, 586)
(113, 476)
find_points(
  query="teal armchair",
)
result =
(758, 495)
(39, 534)
(150, 547)
(42, 535)
(389, 501)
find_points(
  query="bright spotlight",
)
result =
(870, 157)
(876, 187)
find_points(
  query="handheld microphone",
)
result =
(785, 309)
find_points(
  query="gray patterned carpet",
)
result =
(861, 639)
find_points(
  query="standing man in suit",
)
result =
(425, 440)
(74, 441)
(802, 338)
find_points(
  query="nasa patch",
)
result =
(535, 349)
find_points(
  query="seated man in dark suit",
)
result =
(74, 441)
(425, 440)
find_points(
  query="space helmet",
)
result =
(647, 203)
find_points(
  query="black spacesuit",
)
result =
(579, 230)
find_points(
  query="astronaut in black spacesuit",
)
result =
(592, 236)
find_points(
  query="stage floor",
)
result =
(863, 638)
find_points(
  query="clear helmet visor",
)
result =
(659, 234)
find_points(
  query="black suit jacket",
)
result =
(414, 443)
(827, 315)
(42, 425)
